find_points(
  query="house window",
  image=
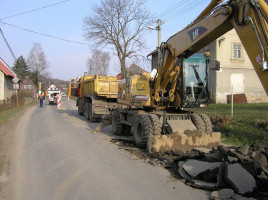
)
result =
(237, 51)
(25, 87)
(29, 87)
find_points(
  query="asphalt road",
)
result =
(57, 156)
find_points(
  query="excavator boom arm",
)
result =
(249, 18)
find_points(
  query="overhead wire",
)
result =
(186, 8)
(34, 10)
(8, 46)
(172, 13)
(44, 34)
(171, 8)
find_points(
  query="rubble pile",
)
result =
(228, 171)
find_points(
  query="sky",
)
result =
(65, 20)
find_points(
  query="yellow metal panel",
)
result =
(104, 86)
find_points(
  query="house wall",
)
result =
(2, 83)
(8, 87)
(27, 86)
(238, 72)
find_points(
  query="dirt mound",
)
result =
(221, 121)
(261, 124)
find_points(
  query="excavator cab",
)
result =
(195, 76)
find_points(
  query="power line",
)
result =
(171, 9)
(188, 7)
(171, 13)
(13, 55)
(43, 34)
(34, 10)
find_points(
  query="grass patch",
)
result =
(7, 114)
(242, 128)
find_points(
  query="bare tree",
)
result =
(119, 24)
(37, 62)
(98, 63)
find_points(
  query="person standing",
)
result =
(41, 98)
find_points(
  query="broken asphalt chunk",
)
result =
(240, 180)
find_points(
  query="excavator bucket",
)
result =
(181, 142)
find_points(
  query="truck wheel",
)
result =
(90, 113)
(156, 124)
(198, 122)
(126, 130)
(87, 110)
(207, 122)
(142, 129)
(80, 107)
(117, 126)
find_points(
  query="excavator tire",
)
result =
(117, 126)
(142, 129)
(198, 122)
(156, 124)
(207, 122)
(90, 114)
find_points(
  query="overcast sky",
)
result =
(65, 20)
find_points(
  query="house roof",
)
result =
(153, 52)
(56, 85)
(28, 81)
(6, 69)
(135, 69)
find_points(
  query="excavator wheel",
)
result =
(156, 124)
(198, 122)
(142, 129)
(117, 126)
(90, 114)
(207, 122)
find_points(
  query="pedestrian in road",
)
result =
(41, 98)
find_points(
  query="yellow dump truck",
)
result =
(97, 96)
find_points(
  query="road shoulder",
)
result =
(8, 141)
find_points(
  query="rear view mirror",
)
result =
(214, 65)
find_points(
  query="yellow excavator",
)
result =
(157, 105)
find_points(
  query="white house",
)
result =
(52, 92)
(6, 84)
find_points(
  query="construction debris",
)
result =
(221, 170)
(242, 181)
(196, 168)
(225, 193)
(243, 170)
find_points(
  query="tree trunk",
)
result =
(123, 67)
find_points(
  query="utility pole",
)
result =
(158, 28)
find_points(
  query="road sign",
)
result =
(15, 79)
(16, 86)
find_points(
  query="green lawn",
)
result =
(242, 129)
(7, 114)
